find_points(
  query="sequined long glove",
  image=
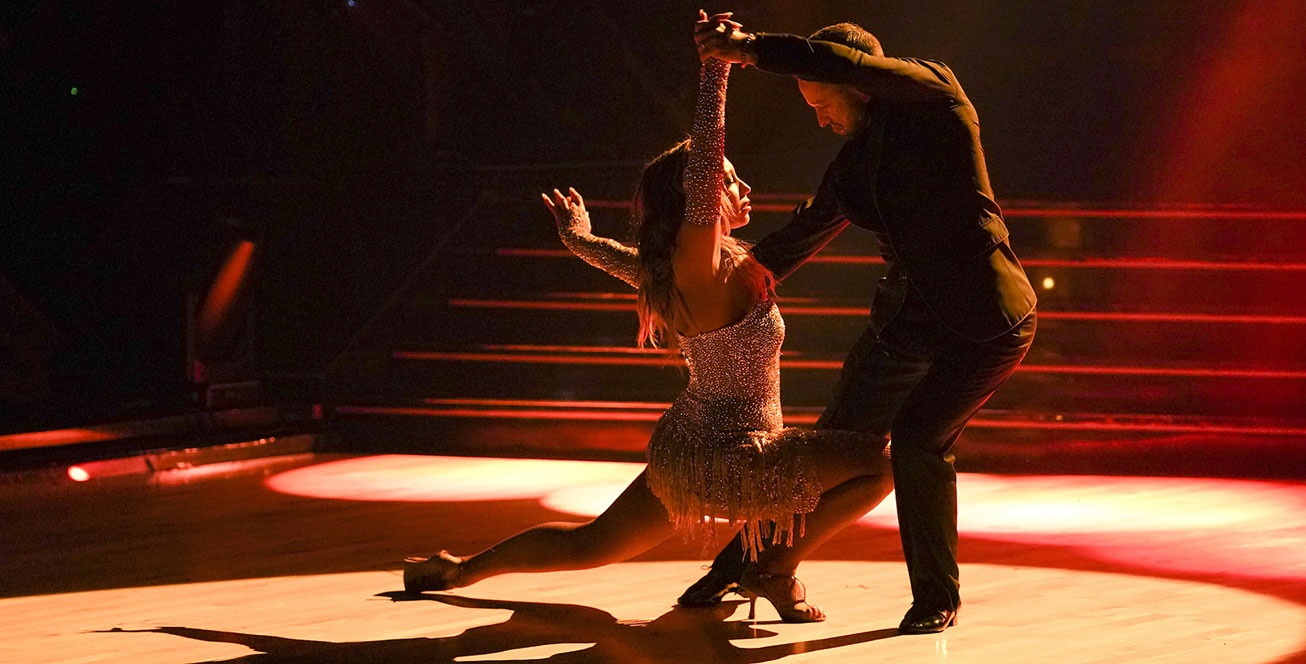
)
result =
(706, 165)
(574, 228)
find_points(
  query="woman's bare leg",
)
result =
(634, 523)
(860, 482)
(839, 508)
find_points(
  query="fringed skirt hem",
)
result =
(760, 480)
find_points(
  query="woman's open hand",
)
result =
(568, 211)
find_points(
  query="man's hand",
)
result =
(719, 37)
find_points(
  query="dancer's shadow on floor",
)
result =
(676, 636)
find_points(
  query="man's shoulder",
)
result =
(936, 68)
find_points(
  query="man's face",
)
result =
(838, 107)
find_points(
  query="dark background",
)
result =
(346, 139)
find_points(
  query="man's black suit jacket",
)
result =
(915, 171)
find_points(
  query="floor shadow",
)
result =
(677, 636)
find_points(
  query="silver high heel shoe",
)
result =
(439, 572)
(784, 591)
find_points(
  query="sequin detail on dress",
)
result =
(721, 449)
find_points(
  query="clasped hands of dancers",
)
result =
(950, 322)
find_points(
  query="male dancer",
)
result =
(955, 314)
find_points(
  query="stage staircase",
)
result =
(1170, 340)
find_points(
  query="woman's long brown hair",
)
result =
(657, 211)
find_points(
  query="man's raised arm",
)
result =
(889, 79)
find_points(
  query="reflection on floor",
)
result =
(294, 559)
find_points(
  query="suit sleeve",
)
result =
(816, 221)
(902, 80)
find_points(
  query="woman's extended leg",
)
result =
(634, 523)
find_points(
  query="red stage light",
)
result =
(215, 314)
(78, 474)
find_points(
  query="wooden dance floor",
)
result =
(295, 559)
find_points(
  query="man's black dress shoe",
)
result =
(709, 590)
(926, 621)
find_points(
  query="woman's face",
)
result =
(734, 199)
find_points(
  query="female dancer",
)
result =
(720, 450)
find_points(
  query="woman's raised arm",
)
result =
(698, 245)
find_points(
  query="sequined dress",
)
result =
(721, 449)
